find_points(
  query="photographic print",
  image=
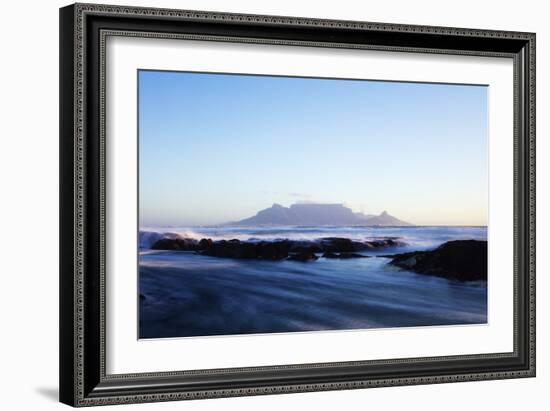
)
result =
(262, 204)
(276, 204)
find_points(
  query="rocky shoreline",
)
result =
(459, 260)
(296, 250)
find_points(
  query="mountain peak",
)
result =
(317, 214)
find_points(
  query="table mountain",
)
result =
(317, 214)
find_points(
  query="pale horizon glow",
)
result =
(215, 148)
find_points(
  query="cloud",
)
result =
(300, 195)
(357, 207)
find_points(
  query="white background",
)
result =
(29, 206)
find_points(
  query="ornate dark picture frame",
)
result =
(83, 30)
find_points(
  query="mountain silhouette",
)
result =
(317, 214)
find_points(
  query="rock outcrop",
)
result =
(299, 250)
(461, 260)
(338, 244)
(176, 244)
(344, 255)
(276, 250)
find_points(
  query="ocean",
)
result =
(184, 294)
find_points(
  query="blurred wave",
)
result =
(184, 294)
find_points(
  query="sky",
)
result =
(215, 148)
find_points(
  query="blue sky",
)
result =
(215, 148)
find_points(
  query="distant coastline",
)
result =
(168, 227)
(304, 214)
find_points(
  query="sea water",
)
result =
(184, 294)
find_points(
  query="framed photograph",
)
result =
(261, 204)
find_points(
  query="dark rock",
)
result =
(276, 250)
(304, 256)
(337, 244)
(383, 243)
(205, 244)
(232, 249)
(301, 246)
(176, 244)
(462, 260)
(272, 250)
(344, 255)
